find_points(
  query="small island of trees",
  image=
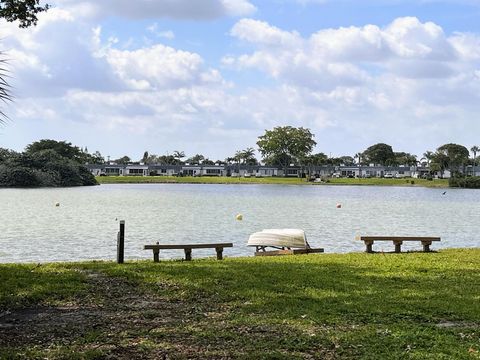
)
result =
(45, 163)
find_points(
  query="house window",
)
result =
(213, 171)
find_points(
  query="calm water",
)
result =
(85, 224)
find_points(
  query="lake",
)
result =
(85, 225)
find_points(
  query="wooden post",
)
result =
(426, 246)
(219, 253)
(188, 254)
(156, 257)
(369, 244)
(121, 243)
(398, 246)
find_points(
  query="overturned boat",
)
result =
(284, 241)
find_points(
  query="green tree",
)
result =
(474, 149)
(6, 154)
(378, 154)
(97, 158)
(64, 149)
(439, 162)
(403, 158)
(178, 155)
(25, 11)
(196, 159)
(359, 157)
(318, 159)
(145, 157)
(246, 156)
(124, 160)
(428, 156)
(207, 161)
(285, 144)
(456, 155)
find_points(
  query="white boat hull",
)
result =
(280, 238)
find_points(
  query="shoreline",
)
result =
(180, 258)
(405, 182)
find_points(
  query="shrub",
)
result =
(472, 182)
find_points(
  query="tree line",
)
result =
(286, 145)
(59, 163)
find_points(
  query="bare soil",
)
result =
(115, 319)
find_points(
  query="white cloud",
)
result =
(166, 34)
(408, 84)
(261, 33)
(354, 55)
(148, 9)
(156, 67)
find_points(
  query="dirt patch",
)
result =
(114, 317)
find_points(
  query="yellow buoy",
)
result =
(239, 217)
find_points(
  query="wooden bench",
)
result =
(398, 241)
(187, 248)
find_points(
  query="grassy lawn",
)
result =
(268, 180)
(328, 306)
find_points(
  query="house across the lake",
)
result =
(242, 170)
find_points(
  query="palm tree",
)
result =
(428, 155)
(178, 154)
(5, 94)
(474, 149)
(359, 157)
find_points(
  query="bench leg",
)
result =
(426, 246)
(188, 254)
(155, 256)
(219, 253)
(398, 246)
(369, 244)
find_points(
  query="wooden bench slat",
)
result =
(398, 238)
(398, 241)
(187, 246)
(187, 249)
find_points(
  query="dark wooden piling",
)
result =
(121, 243)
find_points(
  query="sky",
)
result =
(210, 76)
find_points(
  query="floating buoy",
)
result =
(239, 217)
(339, 206)
(57, 204)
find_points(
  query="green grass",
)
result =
(22, 285)
(266, 180)
(352, 306)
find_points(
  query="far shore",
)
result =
(407, 182)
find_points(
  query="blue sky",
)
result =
(209, 76)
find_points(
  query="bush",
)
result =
(18, 177)
(472, 182)
(43, 169)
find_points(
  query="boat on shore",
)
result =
(284, 241)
